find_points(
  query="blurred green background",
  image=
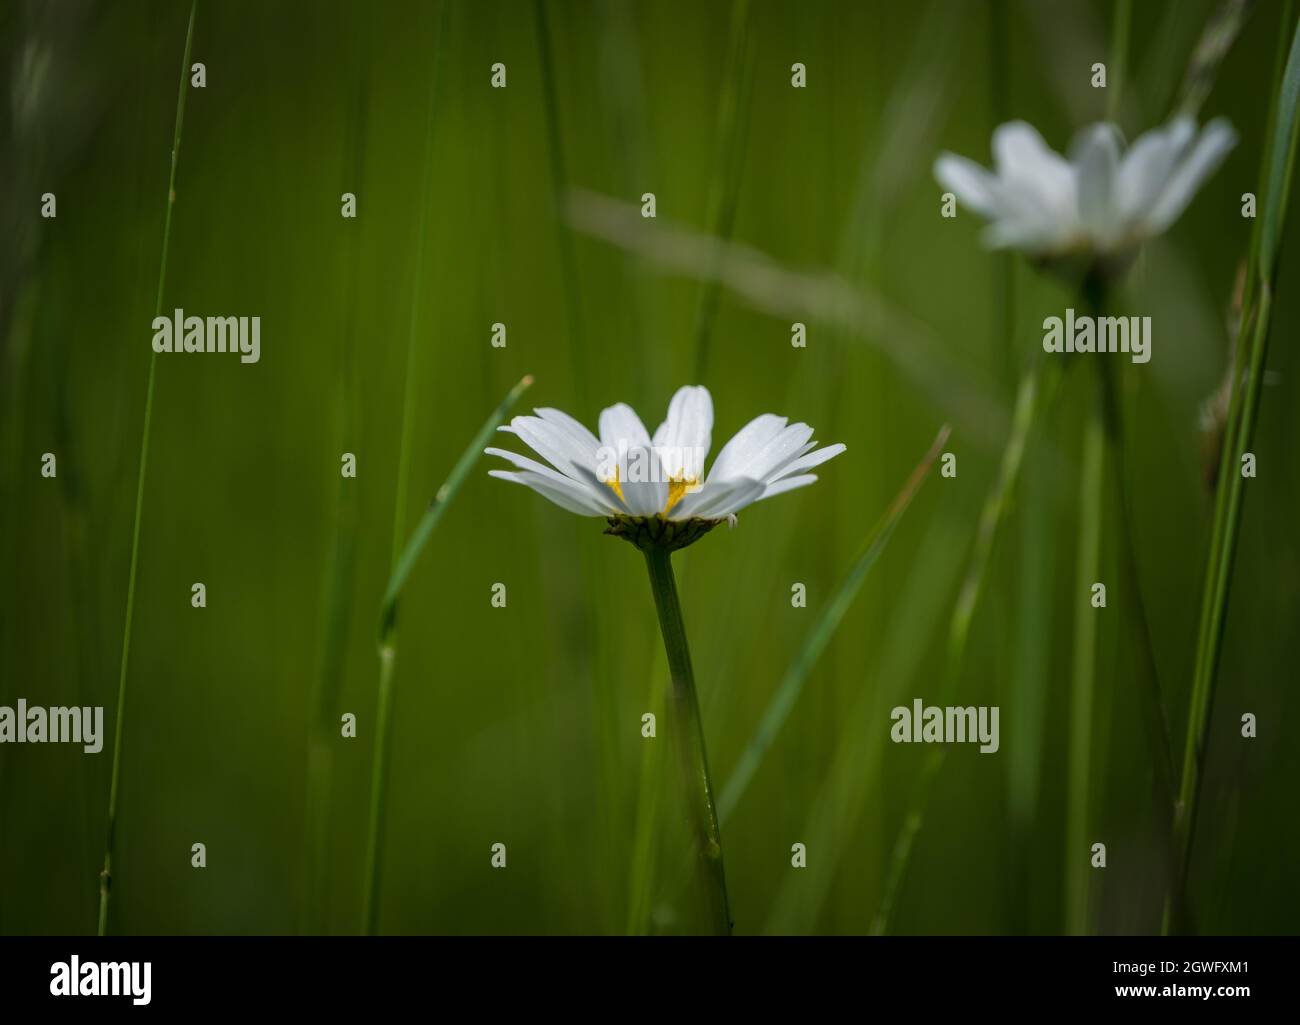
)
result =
(522, 725)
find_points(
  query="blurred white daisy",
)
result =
(654, 490)
(1098, 203)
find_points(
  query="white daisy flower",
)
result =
(1097, 203)
(654, 490)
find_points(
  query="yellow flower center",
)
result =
(678, 488)
(615, 486)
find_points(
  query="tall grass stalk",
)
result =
(322, 733)
(1220, 32)
(1030, 527)
(842, 796)
(110, 844)
(1243, 410)
(724, 192)
(15, 355)
(999, 36)
(1119, 31)
(644, 835)
(388, 633)
(1037, 385)
(559, 176)
(403, 564)
(603, 701)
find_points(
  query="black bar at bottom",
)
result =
(613, 975)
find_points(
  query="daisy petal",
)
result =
(550, 442)
(574, 428)
(1145, 168)
(745, 445)
(1096, 158)
(717, 499)
(683, 439)
(1216, 140)
(572, 497)
(603, 492)
(621, 428)
(524, 463)
(779, 451)
(807, 462)
(973, 186)
(1031, 172)
(788, 484)
(779, 469)
(645, 490)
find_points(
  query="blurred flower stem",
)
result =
(684, 702)
(1083, 664)
(106, 874)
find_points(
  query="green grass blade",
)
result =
(106, 874)
(724, 191)
(1282, 160)
(1216, 40)
(387, 636)
(338, 605)
(388, 639)
(819, 636)
(559, 178)
(1119, 33)
(854, 777)
(1034, 393)
(1227, 519)
(424, 529)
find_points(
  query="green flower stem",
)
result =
(1088, 565)
(106, 874)
(1157, 722)
(684, 703)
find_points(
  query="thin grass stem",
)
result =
(792, 683)
(1037, 385)
(724, 191)
(388, 635)
(564, 234)
(322, 732)
(114, 791)
(1119, 32)
(1243, 410)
